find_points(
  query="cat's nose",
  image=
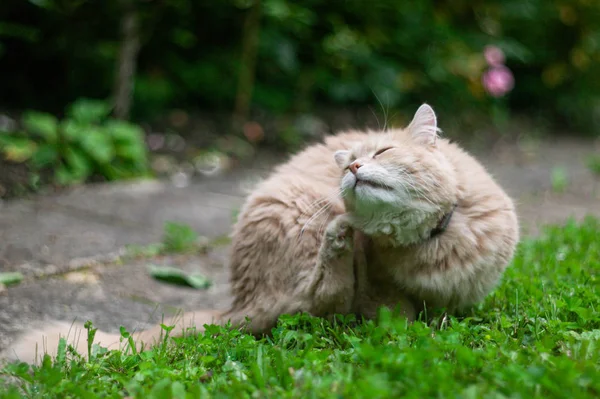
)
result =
(354, 166)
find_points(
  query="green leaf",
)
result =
(45, 154)
(98, 145)
(7, 138)
(89, 111)
(41, 124)
(77, 168)
(111, 172)
(125, 131)
(64, 177)
(10, 278)
(78, 163)
(198, 281)
(179, 277)
(61, 354)
(132, 151)
(16, 149)
(178, 390)
(72, 131)
(122, 170)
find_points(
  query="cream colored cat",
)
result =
(363, 220)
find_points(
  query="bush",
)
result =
(86, 143)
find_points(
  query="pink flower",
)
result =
(498, 80)
(493, 55)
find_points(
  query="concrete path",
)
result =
(66, 244)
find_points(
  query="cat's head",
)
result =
(399, 172)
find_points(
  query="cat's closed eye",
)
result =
(381, 151)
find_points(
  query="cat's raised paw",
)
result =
(339, 234)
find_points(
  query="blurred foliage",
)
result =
(179, 237)
(310, 53)
(593, 163)
(86, 143)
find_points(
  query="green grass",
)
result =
(593, 164)
(178, 238)
(560, 179)
(536, 336)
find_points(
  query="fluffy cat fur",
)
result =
(345, 227)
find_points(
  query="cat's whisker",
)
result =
(427, 183)
(376, 118)
(315, 207)
(410, 182)
(325, 221)
(323, 209)
(320, 201)
(385, 112)
(316, 203)
(322, 226)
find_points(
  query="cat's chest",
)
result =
(385, 266)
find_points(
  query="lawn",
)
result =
(537, 335)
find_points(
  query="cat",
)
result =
(400, 218)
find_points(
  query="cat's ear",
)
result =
(423, 128)
(341, 157)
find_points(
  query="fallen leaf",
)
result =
(10, 278)
(179, 277)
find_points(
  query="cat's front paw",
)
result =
(339, 235)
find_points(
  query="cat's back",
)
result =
(479, 191)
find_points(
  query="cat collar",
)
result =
(443, 224)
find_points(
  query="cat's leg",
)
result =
(376, 298)
(373, 294)
(333, 285)
(327, 289)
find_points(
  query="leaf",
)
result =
(123, 170)
(178, 390)
(198, 281)
(45, 154)
(61, 354)
(98, 145)
(7, 138)
(131, 150)
(41, 124)
(78, 163)
(89, 111)
(64, 177)
(77, 168)
(179, 237)
(124, 131)
(72, 131)
(16, 149)
(10, 278)
(179, 277)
